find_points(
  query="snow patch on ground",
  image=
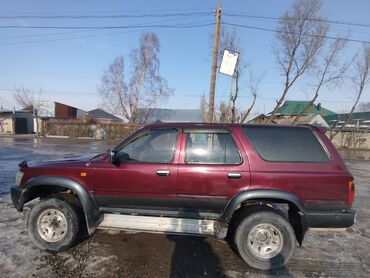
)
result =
(17, 251)
(20, 258)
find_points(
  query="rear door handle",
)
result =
(163, 173)
(234, 175)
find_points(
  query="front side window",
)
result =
(155, 146)
(212, 148)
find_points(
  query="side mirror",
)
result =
(112, 157)
(124, 157)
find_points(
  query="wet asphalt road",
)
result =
(119, 254)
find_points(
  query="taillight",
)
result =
(351, 192)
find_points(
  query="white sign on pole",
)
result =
(229, 60)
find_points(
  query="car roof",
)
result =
(216, 125)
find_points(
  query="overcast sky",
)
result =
(66, 64)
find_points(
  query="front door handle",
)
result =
(234, 175)
(163, 173)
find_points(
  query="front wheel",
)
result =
(53, 225)
(264, 239)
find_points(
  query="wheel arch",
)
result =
(269, 197)
(45, 185)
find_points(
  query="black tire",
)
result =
(256, 227)
(52, 212)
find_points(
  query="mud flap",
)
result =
(296, 218)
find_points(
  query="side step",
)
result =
(160, 224)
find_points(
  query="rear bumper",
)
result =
(330, 219)
(16, 193)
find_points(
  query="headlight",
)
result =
(18, 178)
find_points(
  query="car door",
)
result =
(146, 175)
(212, 168)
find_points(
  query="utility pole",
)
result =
(216, 42)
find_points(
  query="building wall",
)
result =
(8, 122)
(80, 114)
(29, 117)
(6, 126)
(47, 109)
(63, 111)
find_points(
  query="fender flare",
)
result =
(253, 194)
(89, 206)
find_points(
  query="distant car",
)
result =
(262, 186)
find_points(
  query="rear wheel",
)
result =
(264, 239)
(53, 225)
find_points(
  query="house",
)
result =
(61, 111)
(316, 120)
(287, 113)
(294, 108)
(170, 115)
(16, 122)
(314, 115)
(51, 111)
(260, 119)
(103, 117)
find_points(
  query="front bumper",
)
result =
(16, 195)
(330, 219)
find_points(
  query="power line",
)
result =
(106, 27)
(45, 34)
(91, 16)
(178, 26)
(71, 38)
(55, 92)
(293, 18)
(176, 14)
(88, 30)
(153, 11)
(279, 31)
(94, 36)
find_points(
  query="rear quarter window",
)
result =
(286, 144)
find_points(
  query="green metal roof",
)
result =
(293, 107)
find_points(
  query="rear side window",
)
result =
(286, 144)
(212, 148)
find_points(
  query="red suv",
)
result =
(261, 186)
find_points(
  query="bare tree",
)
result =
(253, 88)
(231, 41)
(144, 87)
(203, 107)
(223, 112)
(360, 79)
(301, 36)
(30, 102)
(328, 72)
(229, 112)
(364, 107)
